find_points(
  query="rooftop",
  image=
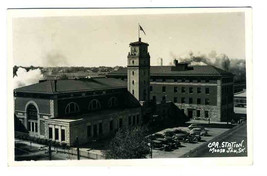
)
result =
(199, 70)
(241, 94)
(67, 86)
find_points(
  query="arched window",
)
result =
(112, 102)
(72, 107)
(94, 105)
(32, 112)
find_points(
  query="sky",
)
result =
(104, 40)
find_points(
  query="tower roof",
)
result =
(138, 43)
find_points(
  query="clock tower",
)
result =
(138, 71)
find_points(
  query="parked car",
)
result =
(179, 136)
(157, 144)
(163, 140)
(194, 125)
(158, 135)
(191, 139)
(168, 148)
(199, 131)
(169, 133)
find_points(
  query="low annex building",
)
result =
(62, 110)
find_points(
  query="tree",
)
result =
(128, 144)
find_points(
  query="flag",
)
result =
(140, 27)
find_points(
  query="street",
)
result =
(232, 144)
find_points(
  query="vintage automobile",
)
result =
(199, 131)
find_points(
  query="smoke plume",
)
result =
(235, 66)
(25, 78)
(55, 59)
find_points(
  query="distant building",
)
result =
(202, 92)
(65, 109)
(240, 104)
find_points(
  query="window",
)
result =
(190, 89)
(95, 130)
(154, 98)
(36, 127)
(94, 105)
(32, 112)
(190, 80)
(133, 120)
(207, 90)
(133, 92)
(183, 100)
(175, 89)
(207, 80)
(207, 101)
(72, 107)
(132, 82)
(62, 134)
(132, 61)
(163, 89)
(120, 123)
(163, 79)
(32, 126)
(163, 98)
(111, 125)
(112, 102)
(199, 101)
(183, 80)
(198, 113)
(190, 100)
(206, 114)
(89, 134)
(129, 120)
(133, 73)
(29, 126)
(50, 133)
(56, 133)
(175, 99)
(199, 80)
(174, 80)
(183, 89)
(199, 90)
(100, 128)
(151, 88)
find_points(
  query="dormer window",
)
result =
(94, 105)
(72, 107)
(112, 102)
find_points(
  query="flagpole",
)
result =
(138, 31)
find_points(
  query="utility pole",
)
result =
(78, 149)
(151, 147)
(49, 151)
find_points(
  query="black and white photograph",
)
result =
(123, 84)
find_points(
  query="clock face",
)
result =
(135, 51)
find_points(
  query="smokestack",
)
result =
(54, 85)
(175, 61)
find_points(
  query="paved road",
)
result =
(219, 149)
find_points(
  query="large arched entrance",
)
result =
(32, 118)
